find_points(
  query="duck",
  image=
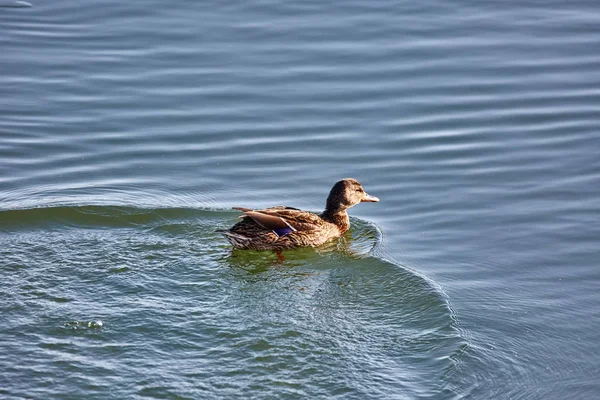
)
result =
(282, 228)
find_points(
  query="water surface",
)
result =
(129, 129)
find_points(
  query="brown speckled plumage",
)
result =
(258, 228)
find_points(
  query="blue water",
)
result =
(129, 129)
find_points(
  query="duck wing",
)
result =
(284, 220)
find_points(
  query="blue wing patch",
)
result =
(283, 231)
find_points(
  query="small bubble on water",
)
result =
(95, 324)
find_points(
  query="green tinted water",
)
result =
(153, 303)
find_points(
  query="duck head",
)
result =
(347, 193)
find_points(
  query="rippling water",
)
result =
(183, 315)
(129, 129)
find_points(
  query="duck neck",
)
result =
(338, 217)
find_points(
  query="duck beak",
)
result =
(367, 198)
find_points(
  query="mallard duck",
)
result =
(279, 228)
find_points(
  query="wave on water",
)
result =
(15, 4)
(336, 319)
